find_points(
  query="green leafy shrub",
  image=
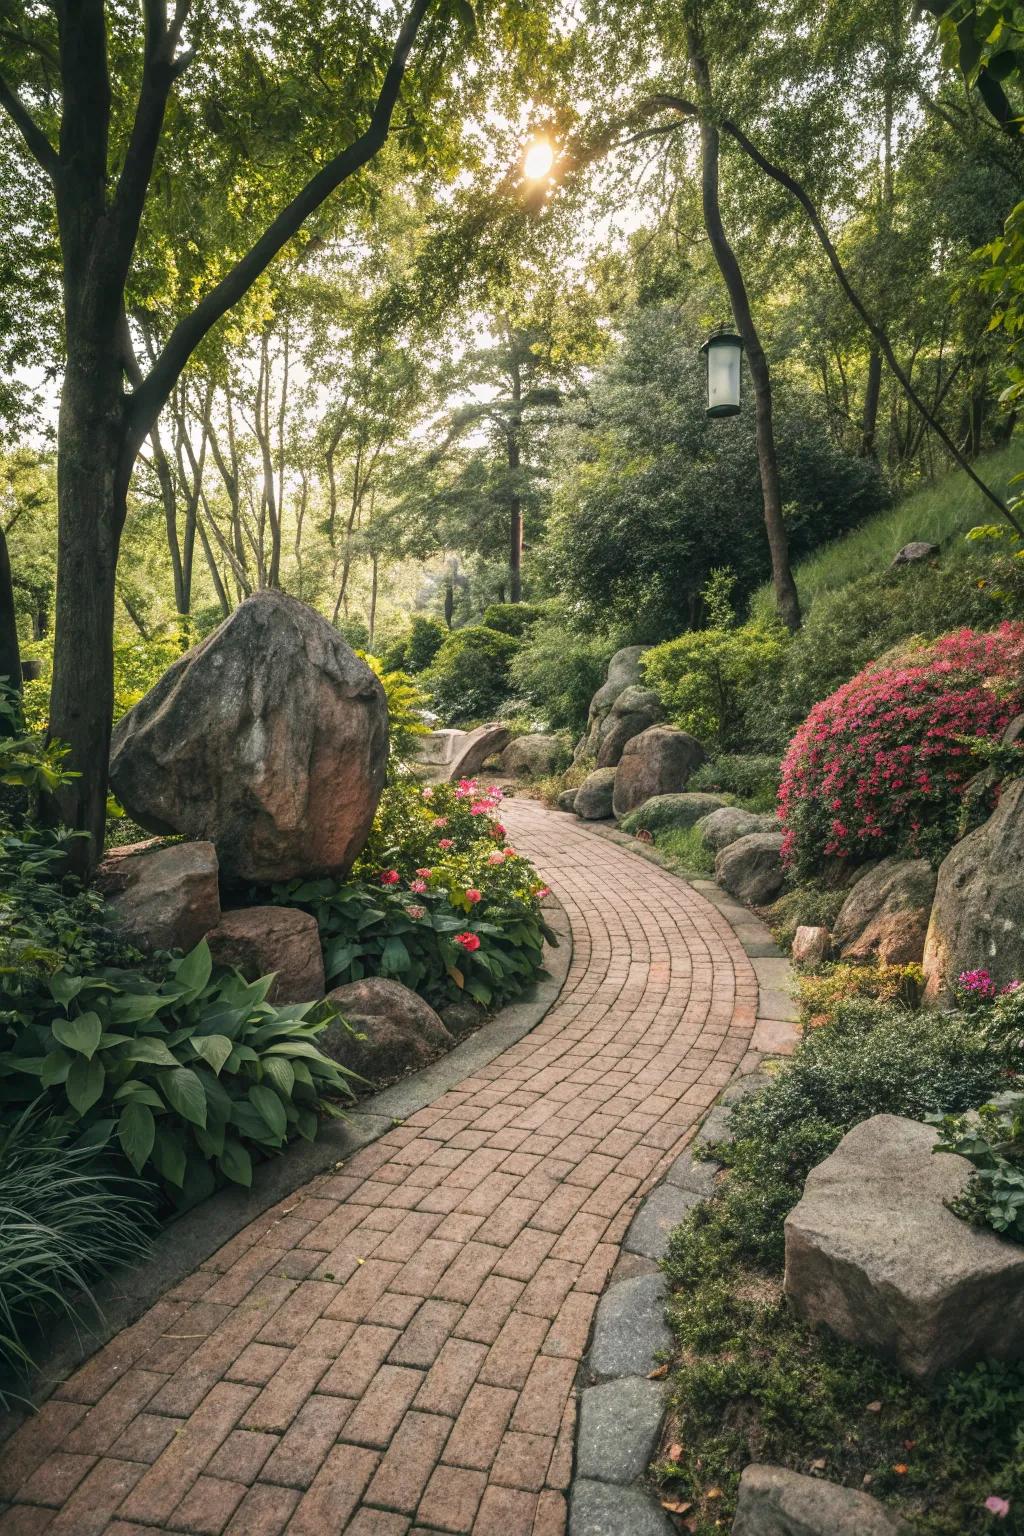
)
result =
(66, 1217)
(993, 1143)
(190, 1072)
(469, 677)
(414, 650)
(752, 778)
(512, 618)
(558, 671)
(707, 680)
(821, 993)
(686, 849)
(406, 703)
(436, 901)
(810, 905)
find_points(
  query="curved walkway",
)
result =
(392, 1351)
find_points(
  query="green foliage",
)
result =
(752, 778)
(710, 680)
(557, 671)
(654, 497)
(416, 649)
(512, 618)
(469, 677)
(993, 1143)
(808, 905)
(66, 1217)
(190, 1072)
(436, 901)
(821, 993)
(755, 1384)
(686, 850)
(406, 703)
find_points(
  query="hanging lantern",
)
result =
(723, 350)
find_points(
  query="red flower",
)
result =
(389, 877)
(468, 941)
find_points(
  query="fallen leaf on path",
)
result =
(658, 1372)
(675, 1506)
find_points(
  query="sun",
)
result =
(538, 160)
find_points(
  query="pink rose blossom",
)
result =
(997, 1506)
(445, 843)
(473, 894)
(440, 821)
(418, 886)
(389, 877)
(496, 857)
(424, 874)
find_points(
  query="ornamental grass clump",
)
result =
(880, 766)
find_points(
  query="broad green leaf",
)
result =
(194, 971)
(394, 958)
(169, 1154)
(136, 1131)
(214, 1049)
(136, 1007)
(185, 1093)
(266, 1102)
(81, 1034)
(142, 1093)
(55, 1069)
(236, 1164)
(64, 988)
(152, 1051)
(280, 1074)
(85, 1083)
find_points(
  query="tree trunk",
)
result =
(872, 395)
(10, 653)
(515, 552)
(91, 498)
(786, 598)
(372, 626)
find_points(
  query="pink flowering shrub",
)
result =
(879, 767)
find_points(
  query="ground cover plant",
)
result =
(752, 1383)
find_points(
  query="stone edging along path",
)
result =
(398, 1347)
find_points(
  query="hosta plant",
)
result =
(189, 1074)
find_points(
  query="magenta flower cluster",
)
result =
(880, 763)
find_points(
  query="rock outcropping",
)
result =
(657, 762)
(885, 916)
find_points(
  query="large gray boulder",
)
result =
(593, 800)
(773, 1501)
(534, 757)
(874, 1254)
(475, 748)
(751, 868)
(269, 739)
(885, 916)
(259, 941)
(161, 896)
(624, 671)
(663, 811)
(977, 917)
(635, 710)
(401, 1031)
(657, 762)
(729, 824)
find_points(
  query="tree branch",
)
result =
(146, 402)
(35, 139)
(159, 71)
(794, 187)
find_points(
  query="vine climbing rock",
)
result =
(269, 739)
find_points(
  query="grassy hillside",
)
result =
(940, 513)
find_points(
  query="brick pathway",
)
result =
(393, 1349)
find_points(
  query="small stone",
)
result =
(911, 553)
(594, 797)
(659, 761)
(657, 1218)
(630, 1329)
(811, 946)
(695, 1175)
(260, 940)
(567, 800)
(161, 896)
(618, 1429)
(773, 1501)
(602, 1509)
(751, 868)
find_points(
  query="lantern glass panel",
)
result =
(724, 376)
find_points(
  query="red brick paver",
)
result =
(394, 1347)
